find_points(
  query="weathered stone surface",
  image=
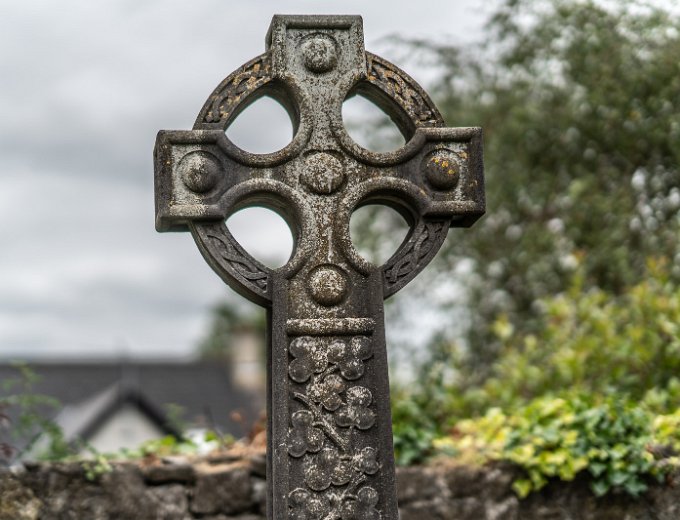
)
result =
(417, 484)
(430, 509)
(258, 465)
(508, 509)
(227, 490)
(59, 476)
(259, 496)
(493, 481)
(235, 492)
(118, 494)
(574, 501)
(17, 502)
(665, 503)
(240, 517)
(165, 473)
(169, 502)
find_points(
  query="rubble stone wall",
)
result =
(175, 489)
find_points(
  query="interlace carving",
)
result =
(237, 87)
(403, 90)
(241, 264)
(412, 257)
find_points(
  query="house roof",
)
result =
(82, 420)
(203, 392)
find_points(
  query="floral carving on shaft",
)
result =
(323, 434)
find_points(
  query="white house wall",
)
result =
(127, 428)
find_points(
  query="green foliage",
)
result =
(591, 342)
(593, 390)
(414, 431)
(163, 447)
(97, 466)
(578, 101)
(421, 409)
(97, 463)
(562, 437)
(29, 418)
(229, 320)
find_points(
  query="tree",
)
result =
(229, 322)
(578, 101)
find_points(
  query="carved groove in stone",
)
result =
(404, 90)
(239, 263)
(236, 87)
(412, 258)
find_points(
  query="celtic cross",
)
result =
(330, 452)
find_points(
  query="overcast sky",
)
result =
(84, 87)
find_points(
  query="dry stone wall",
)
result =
(223, 489)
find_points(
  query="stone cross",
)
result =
(330, 453)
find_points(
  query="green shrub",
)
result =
(29, 419)
(413, 431)
(611, 441)
(592, 342)
(594, 391)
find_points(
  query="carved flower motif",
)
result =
(306, 506)
(310, 358)
(304, 437)
(326, 391)
(355, 412)
(366, 461)
(363, 507)
(326, 468)
(350, 358)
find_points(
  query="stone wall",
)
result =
(224, 488)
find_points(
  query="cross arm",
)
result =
(195, 171)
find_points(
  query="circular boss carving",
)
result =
(200, 171)
(327, 285)
(322, 173)
(442, 168)
(319, 54)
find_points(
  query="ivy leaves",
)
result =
(558, 438)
